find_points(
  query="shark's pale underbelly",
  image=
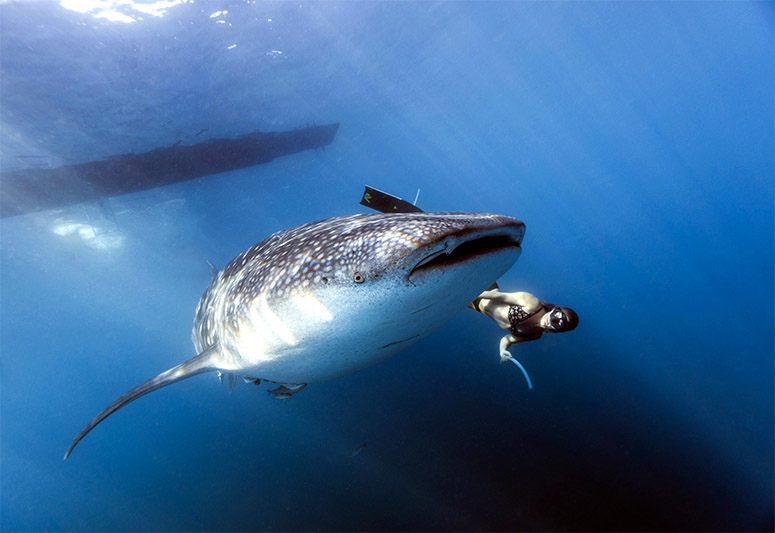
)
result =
(315, 348)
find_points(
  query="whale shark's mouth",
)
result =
(466, 250)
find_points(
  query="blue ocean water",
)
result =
(634, 139)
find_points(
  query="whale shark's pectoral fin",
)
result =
(284, 392)
(196, 365)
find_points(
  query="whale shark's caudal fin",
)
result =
(196, 365)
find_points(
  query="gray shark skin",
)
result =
(325, 299)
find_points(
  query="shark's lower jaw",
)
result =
(456, 279)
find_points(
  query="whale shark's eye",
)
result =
(358, 277)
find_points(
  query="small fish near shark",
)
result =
(324, 299)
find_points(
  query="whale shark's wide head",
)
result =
(327, 298)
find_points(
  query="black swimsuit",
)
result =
(524, 325)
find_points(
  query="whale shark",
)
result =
(324, 299)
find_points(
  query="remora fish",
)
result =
(328, 298)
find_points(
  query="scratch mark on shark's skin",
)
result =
(397, 342)
(423, 308)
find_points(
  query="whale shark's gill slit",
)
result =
(467, 250)
(196, 365)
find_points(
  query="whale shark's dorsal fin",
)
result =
(196, 365)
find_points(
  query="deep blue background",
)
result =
(634, 139)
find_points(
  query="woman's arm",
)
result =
(506, 341)
(523, 299)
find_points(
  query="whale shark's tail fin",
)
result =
(196, 365)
